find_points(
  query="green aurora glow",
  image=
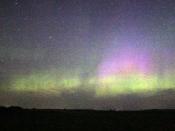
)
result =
(106, 86)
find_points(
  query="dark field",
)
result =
(15, 119)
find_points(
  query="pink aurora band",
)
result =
(126, 60)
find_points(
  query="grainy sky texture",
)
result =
(102, 54)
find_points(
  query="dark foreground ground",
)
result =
(16, 119)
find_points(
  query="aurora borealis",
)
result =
(100, 54)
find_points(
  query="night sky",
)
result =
(96, 54)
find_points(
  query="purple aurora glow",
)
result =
(126, 60)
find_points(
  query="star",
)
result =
(50, 37)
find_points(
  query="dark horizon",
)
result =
(33, 119)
